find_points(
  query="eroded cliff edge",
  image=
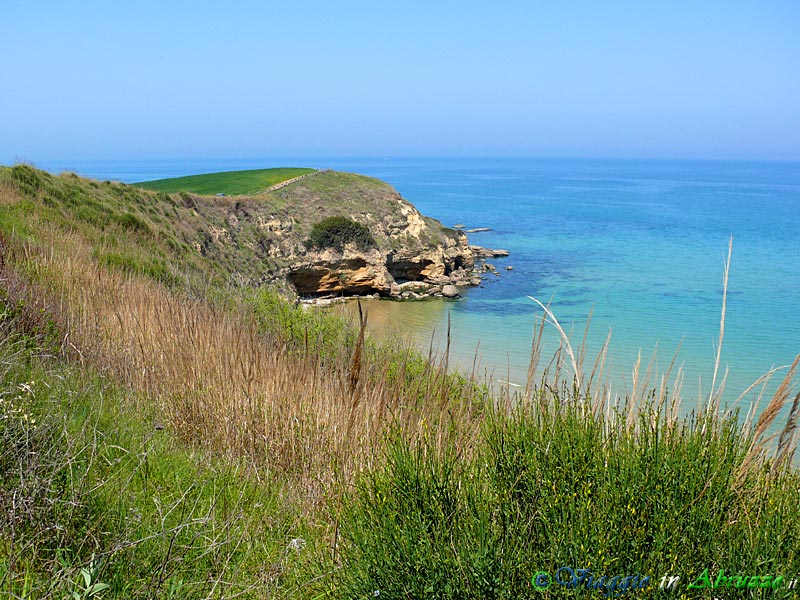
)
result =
(412, 254)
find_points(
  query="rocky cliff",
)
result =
(412, 255)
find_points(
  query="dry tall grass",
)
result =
(222, 384)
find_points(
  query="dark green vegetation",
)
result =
(169, 432)
(228, 182)
(335, 232)
(550, 489)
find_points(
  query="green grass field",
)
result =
(228, 182)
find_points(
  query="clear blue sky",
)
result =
(163, 79)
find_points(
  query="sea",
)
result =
(632, 248)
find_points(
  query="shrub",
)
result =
(546, 487)
(335, 232)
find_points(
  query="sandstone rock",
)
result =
(450, 291)
(417, 287)
(480, 252)
(354, 271)
(349, 273)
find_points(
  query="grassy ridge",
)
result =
(186, 240)
(185, 442)
(228, 182)
(178, 239)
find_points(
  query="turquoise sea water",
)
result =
(641, 244)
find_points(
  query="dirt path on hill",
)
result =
(283, 184)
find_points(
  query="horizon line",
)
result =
(377, 157)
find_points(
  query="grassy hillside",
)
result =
(185, 239)
(229, 182)
(167, 434)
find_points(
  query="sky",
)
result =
(603, 79)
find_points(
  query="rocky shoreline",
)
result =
(448, 285)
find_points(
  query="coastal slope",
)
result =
(277, 235)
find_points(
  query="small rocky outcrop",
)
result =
(479, 252)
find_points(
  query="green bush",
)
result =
(325, 334)
(335, 232)
(544, 489)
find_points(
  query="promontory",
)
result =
(315, 232)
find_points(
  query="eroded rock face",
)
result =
(346, 273)
(386, 272)
(410, 248)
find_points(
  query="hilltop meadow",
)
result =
(172, 427)
(228, 182)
